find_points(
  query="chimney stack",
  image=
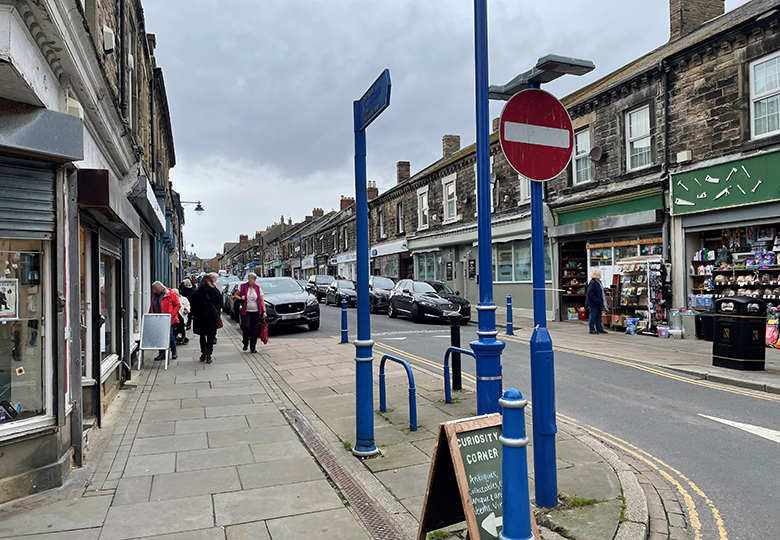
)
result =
(243, 240)
(685, 16)
(403, 171)
(372, 190)
(317, 213)
(495, 124)
(346, 202)
(450, 144)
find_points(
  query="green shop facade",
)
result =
(727, 210)
(598, 234)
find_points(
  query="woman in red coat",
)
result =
(165, 300)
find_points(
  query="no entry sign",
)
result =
(536, 134)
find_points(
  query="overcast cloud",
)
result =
(261, 91)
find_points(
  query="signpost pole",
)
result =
(487, 347)
(365, 110)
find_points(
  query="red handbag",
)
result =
(264, 333)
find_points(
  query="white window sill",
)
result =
(629, 170)
(451, 220)
(25, 427)
(423, 228)
(85, 381)
(107, 366)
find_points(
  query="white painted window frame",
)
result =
(754, 98)
(420, 192)
(399, 218)
(581, 155)
(450, 180)
(630, 139)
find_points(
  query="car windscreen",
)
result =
(322, 280)
(442, 288)
(383, 283)
(280, 286)
(345, 285)
(422, 287)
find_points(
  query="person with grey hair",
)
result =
(596, 301)
(166, 301)
(187, 290)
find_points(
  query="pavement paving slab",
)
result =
(288, 470)
(338, 524)
(150, 465)
(212, 458)
(189, 484)
(158, 517)
(255, 530)
(64, 515)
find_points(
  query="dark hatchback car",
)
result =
(419, 301)
(379, 288)
(318, 286)
(341, 289)
(287, 303)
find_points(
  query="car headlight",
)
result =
(428, 304)
(312, 302)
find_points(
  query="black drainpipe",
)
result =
(123, 59)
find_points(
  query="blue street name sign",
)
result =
(374, 101)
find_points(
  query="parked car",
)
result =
(443, 290)
(318, 286)
(379, 288)
(287, 303)
(231, 303)
(419, 300)
(341, 289)
(302, 283)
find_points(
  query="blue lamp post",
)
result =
(365, 110)
(548, 68)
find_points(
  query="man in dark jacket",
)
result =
(596, 301)
(205, 308)
(165, 300)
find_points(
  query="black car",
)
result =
(286, 302)
(341, 289)
(318, 286)
(444, 291)
(379, 288)
(419, 300)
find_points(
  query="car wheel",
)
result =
(314, 325)
(415, 313)
(391, 311)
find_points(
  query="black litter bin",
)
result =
(704, 325)
(739, 333)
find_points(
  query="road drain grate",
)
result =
(372, 517)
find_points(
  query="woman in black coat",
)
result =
(596, 301)
(205, 307)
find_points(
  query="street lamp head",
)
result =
(564, 65)
(547, 69)
(199, 209)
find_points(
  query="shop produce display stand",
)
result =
(640, 283)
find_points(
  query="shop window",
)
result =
(523, 260)
(108, 319)
(399, 218)
(426, 266)
(23, 355)
(765, 95)
(504, 262)
(512, 261)
(638, 139)
(601, 257)
(624, 252)
(582, 157)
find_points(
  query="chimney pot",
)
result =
(685, 16)
(403, 171)
(450, 144)
(372, 191)
(346, 202)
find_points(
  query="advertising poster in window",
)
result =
(449, 270)
(472, 269)
(9, 298)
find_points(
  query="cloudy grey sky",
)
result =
(261, 91)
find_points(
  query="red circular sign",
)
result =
(536, 134)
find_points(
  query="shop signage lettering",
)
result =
(737, 183)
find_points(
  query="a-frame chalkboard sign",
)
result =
(464, 483)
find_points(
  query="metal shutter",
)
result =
(110, 245)
(26, 199)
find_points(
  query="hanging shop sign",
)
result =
(9, 298)
(737, 183)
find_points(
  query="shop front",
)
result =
(308, 267)
(392, 259)
(604, 235)
(725, 231)
(347, 265)
(451, 256)
(107, 225)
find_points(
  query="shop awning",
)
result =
(625, 221)
(147, 205)
(37, 132)
(101, 196)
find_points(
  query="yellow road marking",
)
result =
(404, 354)
(654, 371)
(650, 459)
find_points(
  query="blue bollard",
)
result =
(510, 330)
(514, 469)
(344, 328)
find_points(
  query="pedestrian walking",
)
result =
(596, 301)
(184, 312)
(187, 290)
(252, 309)
(205, 308)
(164, 300)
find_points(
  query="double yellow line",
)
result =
(704, 384)
(439, 367)
(672, 475)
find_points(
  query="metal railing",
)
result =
(447, 388)
(412, 391)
